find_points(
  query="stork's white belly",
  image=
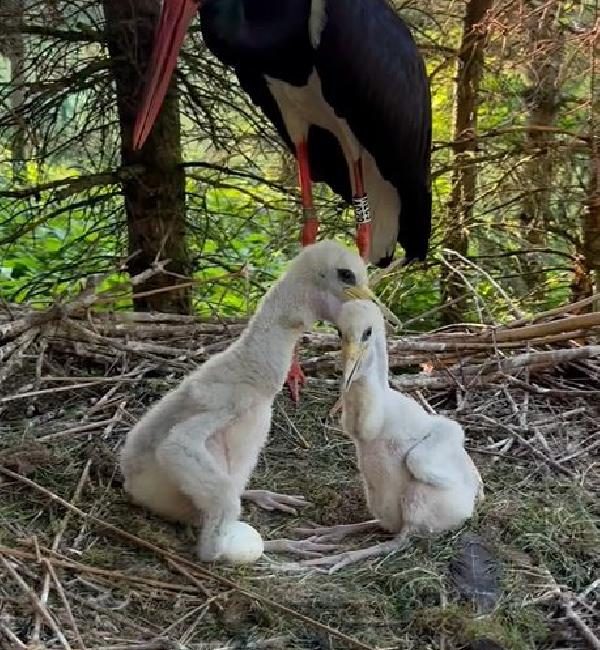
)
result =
(303, 106)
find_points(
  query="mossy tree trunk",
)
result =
(13, 47)
(545, 51)
(591, 226)
(464, 178)
(154, 197)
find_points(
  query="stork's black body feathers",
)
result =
(327, 162)
(371, 74)
(289, 56)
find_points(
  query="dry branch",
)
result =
(170, 341)
(60, 561)
(38, 605)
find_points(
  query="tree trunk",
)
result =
(591, 223)
(545, 53)
(13, 47)
(155, 197)
(464, 178)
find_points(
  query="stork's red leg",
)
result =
(295, 379)
(361, 212)
(310, 228)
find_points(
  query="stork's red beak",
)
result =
(175, 18)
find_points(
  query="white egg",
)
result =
(241, 544)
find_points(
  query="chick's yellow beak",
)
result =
(364, 293)
(359, 293)
(352, 356)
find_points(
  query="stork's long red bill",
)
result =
(175, 18)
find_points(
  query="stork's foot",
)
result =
(295, 380)
(268, 500)
(321, 534)
(333, 563)
(299, 547)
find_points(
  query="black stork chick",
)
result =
(346, 88)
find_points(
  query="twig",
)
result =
(16, 358)
(588, 590)
(581, 452)
(585, 630)
(569, 307)
(47, 391)
(477, 299)
(534, 450)
(35, 637)
(12, 637)
(150, 630)
(540, 390)
(509, 301)
(59, 560)
(490, 370)
(39, 606)
(65, 601)
(282, 608)
(85, 428)
(160, 643)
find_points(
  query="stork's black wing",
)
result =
(326, 159)
(374, 77)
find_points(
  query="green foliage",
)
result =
(243, 214)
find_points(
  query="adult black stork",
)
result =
(346, 88)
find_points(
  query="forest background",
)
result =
(516, 197)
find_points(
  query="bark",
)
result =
(13, 47)
(590, 253)
(545, 54)
(591, 225)
(154, 197)
(464, 178)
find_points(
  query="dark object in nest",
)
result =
(475, 573)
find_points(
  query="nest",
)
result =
(84, 569)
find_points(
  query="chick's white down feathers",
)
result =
(416, 473)
(191, 455)
(241, 544)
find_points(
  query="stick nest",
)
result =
(83, 568)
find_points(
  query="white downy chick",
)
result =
(418, 478)
(191, 455)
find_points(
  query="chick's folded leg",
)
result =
(198, 474)
(338, 561)
(337, 533)
(268, 500)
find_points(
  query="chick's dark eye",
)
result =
(347, 276)
(366, 335)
